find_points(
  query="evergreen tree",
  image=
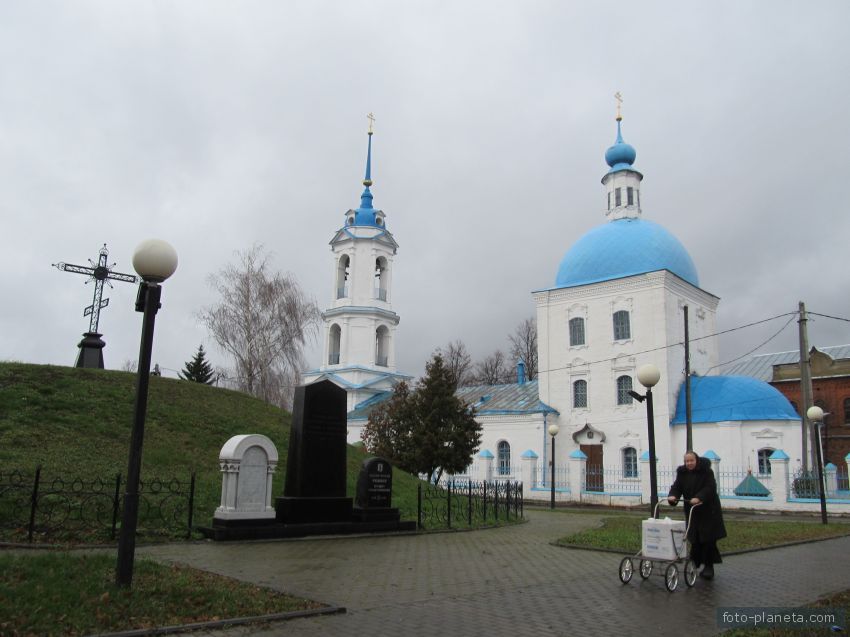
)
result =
(428, 430)
(198, 369)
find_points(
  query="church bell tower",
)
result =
(360, 324)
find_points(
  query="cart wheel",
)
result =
(645, 568)
(627, 569)
(671, 578)
(690, 573)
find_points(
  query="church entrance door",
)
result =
(594, 476)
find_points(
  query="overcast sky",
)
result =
(215, 125)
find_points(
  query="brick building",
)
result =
(830, 390)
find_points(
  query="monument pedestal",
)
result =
(91, 351)
(376, 515)
(303, 510)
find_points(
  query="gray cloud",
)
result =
(214, 125)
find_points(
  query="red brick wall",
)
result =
(829, 394)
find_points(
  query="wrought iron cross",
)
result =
(100, 273)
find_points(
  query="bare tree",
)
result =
(458, 361)
(263, 320)
(524, 346)
(493, 370)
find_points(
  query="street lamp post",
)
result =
(155, 261)
(648, 376)
(815, 415)
(553, 431)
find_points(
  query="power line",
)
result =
(836, 318)
(755, 349)
(680, 344)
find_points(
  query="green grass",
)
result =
(623, 533)
(76, 423)
(62, 594)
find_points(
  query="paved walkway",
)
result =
(507, 581)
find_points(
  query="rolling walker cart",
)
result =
(664, 547)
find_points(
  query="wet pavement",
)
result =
(504, 581)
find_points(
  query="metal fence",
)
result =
(53, 509)
(611, 480)
(543, 478)
(462, 503)
(842, 483)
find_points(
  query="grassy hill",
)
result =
(76, 423)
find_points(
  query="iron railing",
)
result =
(467, 503)
(60, 508)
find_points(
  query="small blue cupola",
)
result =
(366, 215)
(621, 155)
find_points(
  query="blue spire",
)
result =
(366, 197)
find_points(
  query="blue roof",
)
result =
(721, 398)
(502, 400)
(621, 248)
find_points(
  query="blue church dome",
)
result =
(720, 398)
(621, 248)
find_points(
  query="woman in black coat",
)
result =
(695, 485)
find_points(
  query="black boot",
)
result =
(707, 572)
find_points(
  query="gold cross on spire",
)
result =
(371, 119)
(619, 99)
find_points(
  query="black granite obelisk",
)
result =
(316, 467)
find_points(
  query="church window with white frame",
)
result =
(764, 461)
(580, 394)
(504, 451)
(576, 331)
(630, 466)
(624, 386)
(622, 326)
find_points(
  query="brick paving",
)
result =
(507, 581)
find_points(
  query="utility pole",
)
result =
(689, 431)
(805, 383)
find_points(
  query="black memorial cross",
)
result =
(91, 347)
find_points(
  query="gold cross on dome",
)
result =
(619, 98)
(371, 119)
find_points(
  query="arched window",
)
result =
(342, 271)
(504, 451)
(381, 277)
(580, 394)
(847, 411)
(624, 386)
(576, 332)
(334, 341)
(764, 461)
(382, 346)
(622, 328)
(630, 467)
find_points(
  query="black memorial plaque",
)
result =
(375, 484)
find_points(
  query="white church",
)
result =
(616, 302)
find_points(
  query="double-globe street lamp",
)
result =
(553, 431)
(648, 376)
(815, 415)
(155, 261)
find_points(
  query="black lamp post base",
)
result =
(91, 351)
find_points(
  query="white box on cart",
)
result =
(662, 539)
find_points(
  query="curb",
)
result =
(223, 623)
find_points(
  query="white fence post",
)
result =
(830, 479)
(779, 476)
(529, 469)
(645, 487)
(486, 457)
(578, 463)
